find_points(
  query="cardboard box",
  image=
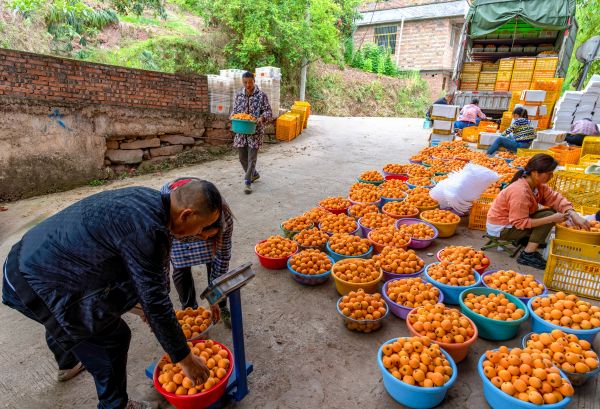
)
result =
(445, 112)
(487, 138)
(533, 95)
(541, 145)
(551, 136)
(435, 139)
(442, 126)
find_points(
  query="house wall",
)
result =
(394, 4)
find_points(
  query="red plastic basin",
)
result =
(200, 400)
(273, 263)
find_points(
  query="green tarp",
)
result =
(486, 16)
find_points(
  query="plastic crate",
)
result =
(468, 86)
(588, 160)
(502, 86)
(546, 64)
(590, 146)
(587, 210)
(479, 211)
(504, 76)
(566, 154)
(304, 104)
(506, 64)
(487, 126)
(528, 153)
(298, 121)
(469, 76)
(524, 64)
(470, 134)
(579, 188)
(543, 74)
(472, 67)
(573, 268)
(303, 111)
(286, 128)
(575, 168)
(516, 86)
(521, 76)
(548, 84)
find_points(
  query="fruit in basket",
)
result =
(243, 117)
(311, 238)
(400, 209)
(371, 176)
(394, 183)
(422, 200)
(316, 214)
(359, 210)
(310, 262)
(492, 190)
(465, 255)
(418, 190)
(172, 379)
(440, 216)
(277, 247)
(419, 181)
(567, 311)
(439, 178)
(419, 231)
(447, 273)
(412, 292)
(194, 321)
(348, 245)
(566, 351)
(441, 324)
(446, 166)
(420, 157)
(297, 223)
(356, 270)
(335, 203)
(416, 361)
(517, 284)
(493, 306)
(594, 226)
(389, 236)
(396, 260)
(366, 193)
(376, 220)
(505, 155)
(527, 375)
(338, 223)
(393, 192)
(360, 306)
(396, 169)
(520, 162)
(418, 171)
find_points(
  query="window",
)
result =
(386, 37)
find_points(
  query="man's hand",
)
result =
(558, 217)
(578, 220)
(195, 369)
(216, 313)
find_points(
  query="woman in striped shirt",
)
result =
(519, 134)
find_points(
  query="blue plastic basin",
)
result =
(451, 292)
(242, 126)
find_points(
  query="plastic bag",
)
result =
(460, 189)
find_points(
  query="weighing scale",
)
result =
(229, 286)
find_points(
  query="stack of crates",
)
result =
(522, 74)
(545, 67)
(286, 127)
(469, 77)
(505, 69)
(506, 120)
(552, 86)
(268, 80)
(236, 77)
(487, 77)
(532, 101)
(220, 94)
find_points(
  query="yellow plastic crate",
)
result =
(472, 66)
(304, 104)
(298, 121)
(478, 213)
(548, 84)
(521, 76)
(286, 128)
(579, 236)
(524, 64)
(579, 188)
(519, 85)
(502, 86)
(470, 134)
(543, 74)
(506, 64)
(590, 146)
(532, 152)
(589, 160)
(575, 168)
(546, 64)
(587, 210)
(303, 111)
(504, 76)
(566, 154)
(573, 268)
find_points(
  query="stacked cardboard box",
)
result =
(220, 94)
(443, 122)
(577, 105)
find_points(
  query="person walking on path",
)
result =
(251, 100)
(78, 271)
(213, 248)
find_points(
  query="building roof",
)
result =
(428, 11)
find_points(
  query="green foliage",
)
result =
(26, 7)
(191, 6)
(389, 68)
(372, 58)
(348, 50)
(588, 19)
(368, 65)
(358, 60)
(139, 6)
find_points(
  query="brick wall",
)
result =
(52, 79)
(394, 4)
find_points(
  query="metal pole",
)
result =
(239, 354)
(399, 42)
(303, 79)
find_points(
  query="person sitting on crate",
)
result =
(445, 100)
(79, 270)
(580, 129)
(470, 115)
(519, 134)
(212, 248)
(515, 215)
(251, 100)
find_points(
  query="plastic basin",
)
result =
(580, 236)
(538, 325)
(415, 396)
(201, 400)
(336, 211)
(309, 279)
(273, 263)
(410, 185)
(398, 217)
(243, 126)
(399, 310)
(524, 299)
(354, 202)
(479, 270)
(488, 328)
(337, 256)
(352, 232)
(365, 326)
(444, 229)
(371, 182)
(418, 243)
(500, 400)
(392, 176)
(344, 287)
(423, 209)
(289, 234)
(577, 379)
(451, 292)
(378, 248)
(388, 276)
(458, 352)
(385, 200)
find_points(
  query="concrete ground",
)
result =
(302, 354)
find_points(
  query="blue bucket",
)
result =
(451, 292)
(337, 257)
(415, 396)
(242, 126)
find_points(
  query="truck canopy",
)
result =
(486, 16)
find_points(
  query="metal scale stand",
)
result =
(229, 286)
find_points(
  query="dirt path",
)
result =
(303, 356)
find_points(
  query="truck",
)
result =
(498, 29)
